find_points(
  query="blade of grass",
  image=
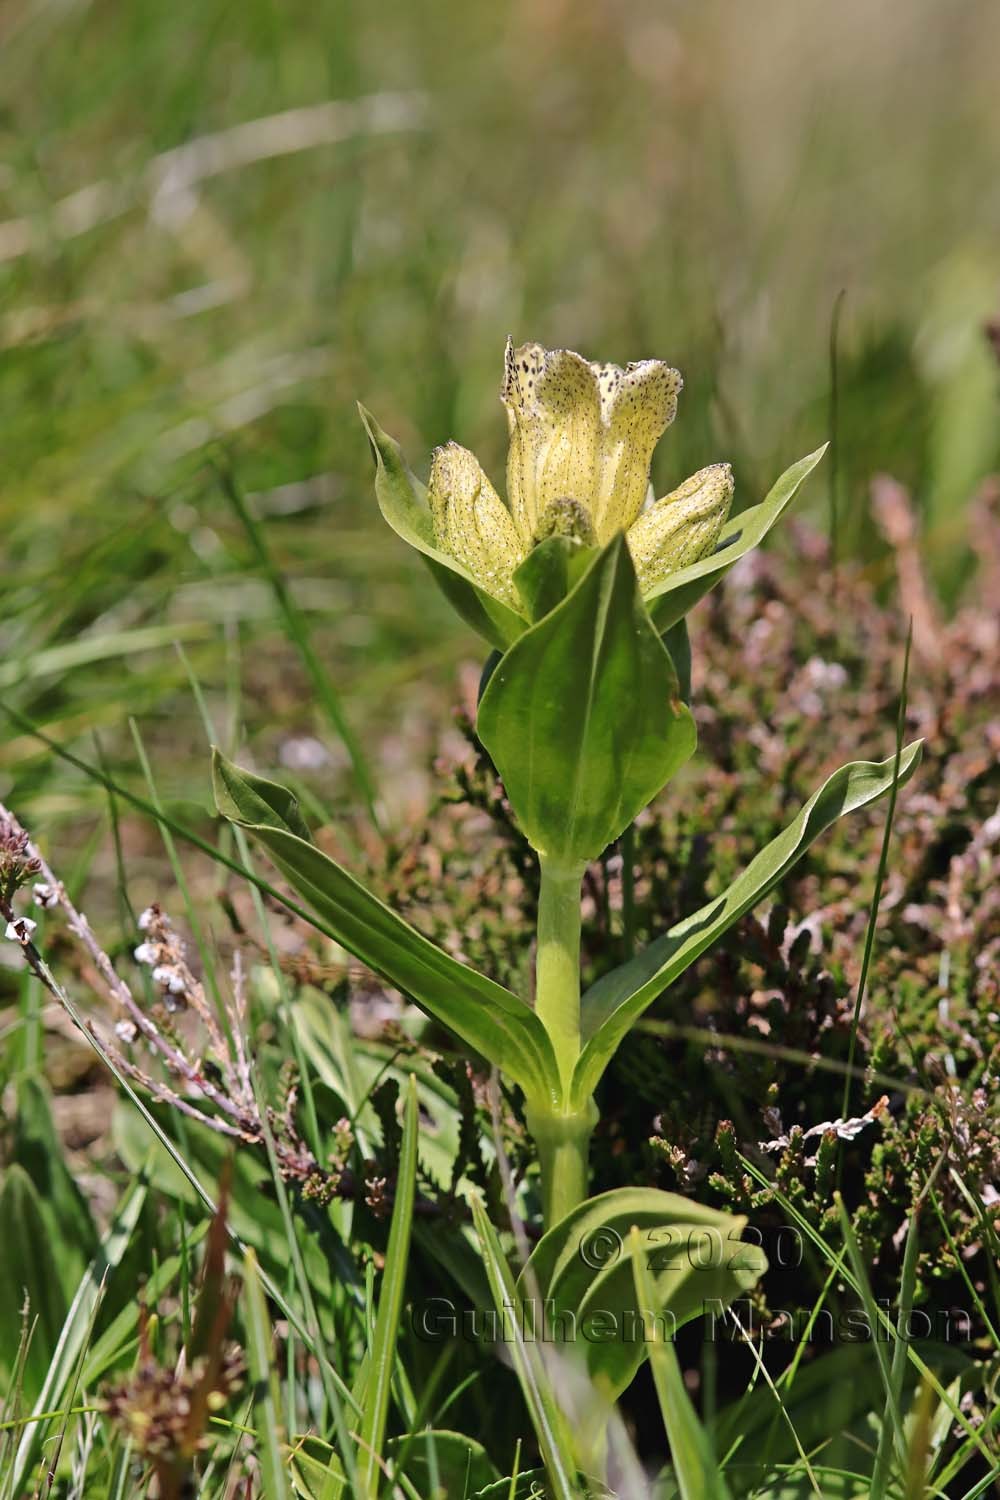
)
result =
(765, 1375)
(883, 1456)
(536, 1388)
(298, 633)
(787, 1378)
(960, 1266)
(274, 1292)
(695, 1467)
(267, 1403)
(390, 1303)
(833, 472)
(988, 1228)
(75, 1335)
(333, 1386)
(958, 1460)
(986, 1483)
(877, 892)
(806, 1228)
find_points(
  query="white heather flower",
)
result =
(44, 895)
(171, 980)
(20, 930)
(147, 918)
(145, 953)
(126, 1031)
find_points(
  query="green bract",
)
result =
(583, 715)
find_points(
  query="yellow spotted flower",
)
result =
(581, 440)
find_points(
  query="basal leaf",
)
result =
(679, 592)
(489, 1019)
(583, 715)
(461, 1464)
(578, 1287)
(402, 499)
(614, 1003)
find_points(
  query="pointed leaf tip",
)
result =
(253, 801)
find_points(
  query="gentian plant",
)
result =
(580, 582)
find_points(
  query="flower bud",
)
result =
(683, 527)
(472, 523)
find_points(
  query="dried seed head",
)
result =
(153, 1406)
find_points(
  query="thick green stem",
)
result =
(557, 963)
(562, 1139)
(562, 1142)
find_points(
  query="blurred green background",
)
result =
(225, 223)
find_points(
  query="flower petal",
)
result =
(472, 523)
(554, 413)
(682, 527)
(637, 406)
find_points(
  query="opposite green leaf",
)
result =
(614, 1003)
(680, 591)
(402, 499)
(583, 715)
(487, 1017)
